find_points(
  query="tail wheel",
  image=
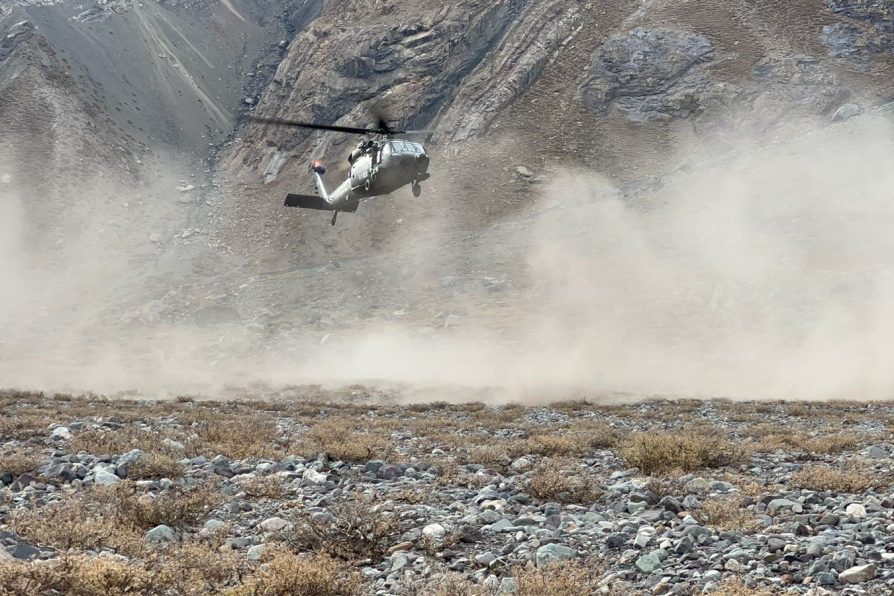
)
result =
(366, 185)
(417, 190)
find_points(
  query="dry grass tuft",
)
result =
(265, 487)
(336, 438)
(357, 531)
(661, 452)
(241, 438)
(727, 514)
(854, 478)
(736, 587)
(287, 574)
(112, 517)
(74, 575)
(563, 481)
(18, 463)
(153, 466)
(191, 569)
(22, 426)
(558, 579)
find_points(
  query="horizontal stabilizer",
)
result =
(316, 202)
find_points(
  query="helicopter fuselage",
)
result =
(377, 168)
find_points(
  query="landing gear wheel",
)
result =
(417, 190)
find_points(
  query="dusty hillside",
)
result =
(625, 89)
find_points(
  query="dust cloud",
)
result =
(768, 273)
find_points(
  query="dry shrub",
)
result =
(448, 584)
(79, 574)
(18, 463)
(153, 466)
(83, 522)
(661, 452)
(287, 574)
(563, 481)
(337, 439)
(115, 517)
(832, 444)
(190, 569)
(113, 442)
(358, 531)
(558, 579)
(248, 436)
(736, 587)
(265, 487)
(727, 513)
(174, 507)
(666, 486)
(193, 568)
(852, 478)
(23, 426)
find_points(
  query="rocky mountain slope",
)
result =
(620, 88)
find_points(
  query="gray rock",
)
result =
(61, 432)
(522, 464)
(434, 531)
(372, 467)
(213, 525)
(256, 552)
(274, 524)
(389, 472)
(485, 559)
(160, 534)
(846, 112)
(104, 477)
(856, 510)
(508, 586)
(856, 575)
(24, 552)
(550, 553)
(131, 457)
(399, 560)
(691, 503)
(646, 564)
(777, 505)
(173, 445)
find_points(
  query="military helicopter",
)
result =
(380, 165)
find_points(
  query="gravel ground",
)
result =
(651, 497)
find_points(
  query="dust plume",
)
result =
(768, 273)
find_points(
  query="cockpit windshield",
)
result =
(405, 147)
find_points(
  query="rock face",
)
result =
(866, 32)
(661, 74)
(649, 74)
(472, 57)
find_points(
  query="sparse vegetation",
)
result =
(288, 574)
(564, 481)
(356, 530)
(18, 463)
(853, 478)
(558, 579)
(115, 517)
(727, 513)
(661, 452)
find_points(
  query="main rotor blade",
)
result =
(345, 129)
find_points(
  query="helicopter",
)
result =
(380, 164)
